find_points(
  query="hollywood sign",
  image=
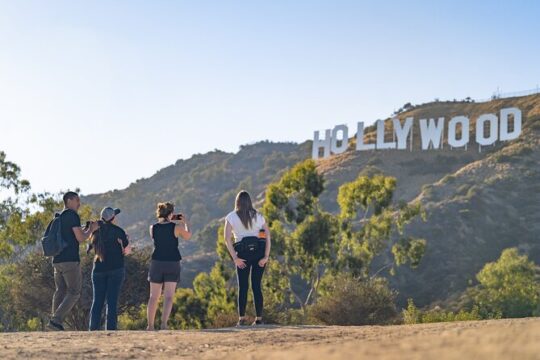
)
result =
(432, 132)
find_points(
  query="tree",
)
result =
(14, 187)
(508, 287)
(303, 235)
(369, 223)
(10, 176)
(310, 241)
(24, 216)
(188, 311)
(213, 291)
(26, 225)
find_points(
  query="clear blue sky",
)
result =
(97, 94)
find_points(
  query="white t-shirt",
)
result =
(239, 230)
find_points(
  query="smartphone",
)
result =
(177, 217)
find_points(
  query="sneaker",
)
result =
(55, 326)
(241, 322)
(257, 322)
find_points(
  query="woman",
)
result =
(249, 252)
(110, 244)
(164, 271)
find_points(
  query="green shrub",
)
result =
(350, 301)
(412, 315)
(34, 324)
(508, 287)
(133, 319)
(188, 312)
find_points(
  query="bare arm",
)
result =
(127, 250)
(268, 241)
(183, 229)
(264, 260)
(125, 244)
(241, 263)
(83, 235)
(228, 241)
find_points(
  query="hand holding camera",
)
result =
(92, 225)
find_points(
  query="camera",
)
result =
(99, 222)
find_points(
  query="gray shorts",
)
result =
(164, 271)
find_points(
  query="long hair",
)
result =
(244, 209)
(98, 240)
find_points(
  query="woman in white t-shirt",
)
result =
(249, 252)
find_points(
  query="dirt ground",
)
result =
(494, 339)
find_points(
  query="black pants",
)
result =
(243, 285)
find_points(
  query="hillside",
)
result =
(479, 210)
(493, 340)
(478, 202)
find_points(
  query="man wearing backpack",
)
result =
(67, 268)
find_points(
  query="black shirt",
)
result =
(165, 242)
(69, 219)
(113, 256)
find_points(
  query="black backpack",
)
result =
(52, 241)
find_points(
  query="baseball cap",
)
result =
(108, 213)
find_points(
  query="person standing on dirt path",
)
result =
(67, 264)
(164, 273)
(110, 244)
(250, 252)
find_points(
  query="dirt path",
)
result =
(497, 339)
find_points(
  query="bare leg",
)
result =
(168, 295)
(155, 293)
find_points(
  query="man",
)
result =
(67, 268)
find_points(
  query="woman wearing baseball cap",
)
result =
(110, 244)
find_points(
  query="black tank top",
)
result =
(165, 243)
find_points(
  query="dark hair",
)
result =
(164, 210)
(70, 195)
(244, 209)
(97, 240)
